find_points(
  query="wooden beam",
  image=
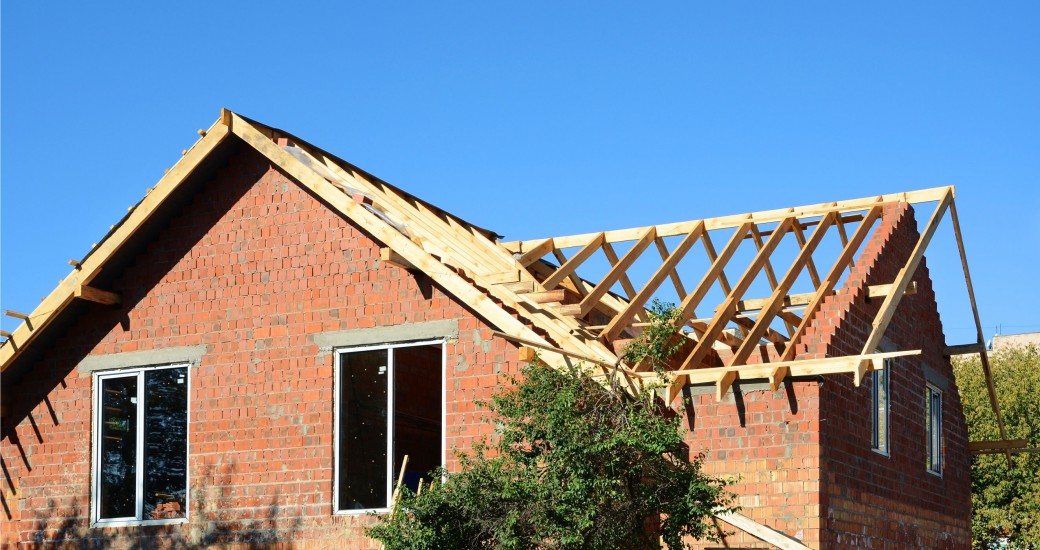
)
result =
(888, 307)
(725, 222)
(536, 252)
(623, 318)
(728, 308)
(1007, 451)
(761, 532)
(881, 291)
(452, 282)
(547, 296)
(831, 280)
(964, 349)
(997, 444)
(511, 276)
(673, 274)
(983, 355)
(97, 295)
(616, 272)
(4, 334)
(723, 384)
(389, 257)
(519, 287)
(570, 265)
(16, 315)
(776, 302)
(801, 367)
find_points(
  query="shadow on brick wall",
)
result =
(214, 522)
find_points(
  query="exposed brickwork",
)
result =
(252, 269)
(803, 457)
(878, 501)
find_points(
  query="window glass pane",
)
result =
(363, 430)
(165, 443)
(417, 411)
(881, 409)
(118, 448)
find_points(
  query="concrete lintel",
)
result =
(447, 329)
(145, 358)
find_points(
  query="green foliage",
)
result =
(657, 343)
(575, 465)
(1005, 502)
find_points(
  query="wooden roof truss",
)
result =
(746, 286)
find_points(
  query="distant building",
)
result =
(1009, 340)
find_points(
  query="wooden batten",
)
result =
(998, 444)
(388, 256)
(964, 349)
(547, 296)
(97, 295)
(881, 291)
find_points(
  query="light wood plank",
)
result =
(983, 355)
(736, 220)
(880, 291)
(728, 308)
(761, 532)
(997, 444)
(776, 302)
(622, 319)
(536, 252)
(964, 349)
(888, 307)
(615, 273)
(831, 280)
(572, 264)
(97, 295)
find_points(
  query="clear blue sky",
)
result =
(538, 119)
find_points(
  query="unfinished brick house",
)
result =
(247, 356)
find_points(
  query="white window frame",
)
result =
(95, 470)
(391, 476)
(876, 444)
(933, 431)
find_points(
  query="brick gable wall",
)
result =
(802, 455)
(251, 269)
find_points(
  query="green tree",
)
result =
(575, 464)
(1005, 501)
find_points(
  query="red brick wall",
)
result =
(252, 269)
(802, 458)
(769, 443)
(872, 500)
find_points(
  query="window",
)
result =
(879, 408)
(141, 445)
(389, 405)
(933, 408)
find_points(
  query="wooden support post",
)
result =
(97, 295)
